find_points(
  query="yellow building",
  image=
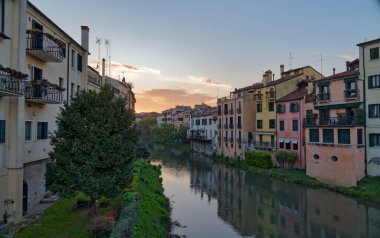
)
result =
(265, 102)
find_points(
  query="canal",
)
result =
(213, 200)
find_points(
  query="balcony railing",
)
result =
(43, 94)
(264, 145)
(95, 80)
(350, 93)
(45, 47)
(238, 110)
(198, 137)
(225, 139)
(310, 98)
(231, 111)
(219, 126)
(231, 140)
(271, 95)
(231, 126)
(225, 126)
(258, 97)
(225, 112)
(323, 97)
(10, 85)
(333, 121)
(239, 126)
(238, 140)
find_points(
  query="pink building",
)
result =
(290, 109)
(334, 129)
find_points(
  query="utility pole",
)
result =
(322, 59)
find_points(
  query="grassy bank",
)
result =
(146, 209)
(367, 188)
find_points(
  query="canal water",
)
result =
(213, 200)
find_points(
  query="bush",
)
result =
(258, 159)
(83, 202)
(101, 227)
(285, 157)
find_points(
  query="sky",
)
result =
(178, 52)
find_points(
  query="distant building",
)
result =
(370, 74)
(173, 116)
(143, 115)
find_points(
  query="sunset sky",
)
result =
(189, 52)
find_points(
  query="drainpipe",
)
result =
(365, 115)
(300, 141)
(68, 72)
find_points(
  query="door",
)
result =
(24, 197)
(37, 37)
(324, 116)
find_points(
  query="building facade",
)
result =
(370, 75)
(334, 131)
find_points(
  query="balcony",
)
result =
(238, 140)
(323, 97)
(43, 93)
(333, 121)
(238, 110)
(231, 126)
(351, 93)
(12, 83)
(310, 98)
(231, 140)
(264, 145)
(271, 95)
(225, 126)
(199, 137)
(231, 111)
(239, 126)
(44, 46)
(95, 80)
(258, 97)
(219, 126)
(225, 139)
(225, 112)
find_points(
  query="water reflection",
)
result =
(237, 203)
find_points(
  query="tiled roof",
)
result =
(369, 42)
(206, 112)
(344, 74)
(248, 88)
(296, 94)
(283, 79)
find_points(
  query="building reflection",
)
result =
(265, 207)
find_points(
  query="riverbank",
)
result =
(145, 210)
(367, 188)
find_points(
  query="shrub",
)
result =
(83, 202)
(259, 159)
(285, 157)
(101, 227)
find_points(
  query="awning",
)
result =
(287, 141)
(295, 141)
(336, 106)
(281, 140)
(350, 80)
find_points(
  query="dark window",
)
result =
(328, 136)
(314, 135)
(374, 140)
(374, 81)
(61, 82)
(334, 158)
(225, 109)
(316, 157)
(78, 88)
(374, 110)
(272, 123)
(219, 110)
(282, 125)
(2, 131)
(259, 107)
(360, 136)
(72, 90)
(79, 63)
(281, 144)
(374, 53)
(295, 125)
(288, 145)
(281, 108)
(295, 145)
(42, 130)
(210, 121)
(294, 107)
(282, 220)
(344, 136)
(28, 130)
(259, 124)
(350, 88)
(271, 106)
(2, 11)
(72, 58)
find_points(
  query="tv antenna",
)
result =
(322, 59)
(108, 55)
(291, 60)
(98, 42)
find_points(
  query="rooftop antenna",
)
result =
(98, 42)
(322, 59)
(107, 43)
(290, 60)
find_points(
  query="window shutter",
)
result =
(2, 131)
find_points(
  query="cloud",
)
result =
(346, 57)
(161, 99)
(207, 81)
(118, 68)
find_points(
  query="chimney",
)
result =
(269, 75)
(347, 65)
(103, 68)
(282, 69)
(273, 77)
(333, 71)
(85, 37)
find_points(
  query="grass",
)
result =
(146, 209)
(367, 188)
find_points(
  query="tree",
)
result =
(93, 147)
(145, 126)
(164, 134)
(181, 135)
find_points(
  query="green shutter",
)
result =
(2, 131)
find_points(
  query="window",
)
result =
(281, 144)
(324, 92)
(79, 63)
(72, 58)
(272, 123)
(374, 110)
(28, 130)
(344, 136)
(259, 107)
(328, 136)
(295, 145)
(374, 140)
(225, 109)
(2, 11)
(360, 136)
(281, 108)
(42, 130)
(282, 125)
(210, 121)
(259, 124)
(374, 53)
(2, 131)
(72, 90)
(314, 135)
(288, 145)
(374, 81)
(219, 110)
(61, 82)
(78, 88)
(294, 107)
(295, 125)
(271, 106)
(350, 89)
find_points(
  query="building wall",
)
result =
(34, 176)
(367, 68)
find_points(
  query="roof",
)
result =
(205, 112)
(283, 79)
(296, 94)
(248, 88)
(344, 74)
(369, 42)
(55, 25)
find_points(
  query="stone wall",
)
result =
(34, 176)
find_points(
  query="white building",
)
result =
(369, 59)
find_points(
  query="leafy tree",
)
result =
(145, 126)
(164, 134)
(92, 147)
(181, 135)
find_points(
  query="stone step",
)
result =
(49, 200)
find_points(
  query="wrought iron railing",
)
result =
(43, 94)
(9, 85)
(334, 121)
(323, 96)
(39, 41)
(350, 93)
